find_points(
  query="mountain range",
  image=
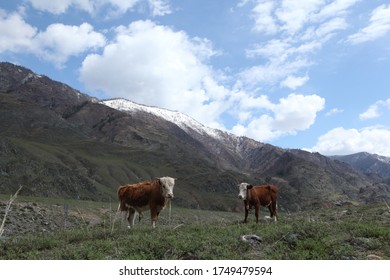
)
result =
(59, 142)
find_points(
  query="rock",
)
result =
(253, 239)
(374, 257)
(292, 238)
(351, 258)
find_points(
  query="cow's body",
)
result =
(150, 195)
(266, 195)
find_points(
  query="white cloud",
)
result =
(272, 49)
(373, 110)
(155, 65)
(296, 31)
(334, 111)
(297, 112)
(114, 7)
(15, 33)
(58, 42)
(293, 15)
(341, 141)
(294, 113)
(248, 102)
(335, 8)
(160, 7)
(371, 113)
(273, 72)
(259, 129)
(263, 17)
(294, 82)
(378, 27)
(59, 7)
(330, 27)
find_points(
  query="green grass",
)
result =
(353, 232)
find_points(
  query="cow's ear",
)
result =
(248, 187)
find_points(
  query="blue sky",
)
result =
(309, 74)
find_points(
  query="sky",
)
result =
(308, 74)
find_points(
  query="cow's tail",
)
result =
(116, 214)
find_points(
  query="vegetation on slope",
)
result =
(347, 232)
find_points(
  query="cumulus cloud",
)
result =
(55, 44)
(155, 65)
(374, 110)
(15, 33)
(286, 117)
(294, 82)
(378, 27)
(341, 141)
(58, 42)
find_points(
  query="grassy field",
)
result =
(346, 232)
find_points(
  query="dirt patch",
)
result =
(32, 217)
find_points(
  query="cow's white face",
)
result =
(167, 184)
(242, 190)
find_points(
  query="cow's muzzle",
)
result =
(170, 195)
(240, 197)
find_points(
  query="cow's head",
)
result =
(242, 190)
(167, 184)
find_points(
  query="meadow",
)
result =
(346, 232)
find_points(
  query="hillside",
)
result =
(368, 163)
(58, 142)
(343, 233)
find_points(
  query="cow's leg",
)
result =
(246, 215)
(131, 217)
(246, 208)
(123, 215)
(271, 211)
(257, 207)
(275, 211)
(153, 216)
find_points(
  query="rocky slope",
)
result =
(56, 141)
(368, 163)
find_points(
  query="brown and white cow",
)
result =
(256, 196)
(149, 195)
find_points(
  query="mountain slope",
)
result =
(367, 163)
(56, 141)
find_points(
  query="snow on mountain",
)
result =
(183, 121)
(383, 159)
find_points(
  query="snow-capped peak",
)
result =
(383, 159)
(183, 121)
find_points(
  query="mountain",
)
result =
(376, 167)
(371, 164)
(59, 142)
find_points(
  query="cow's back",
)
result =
(265, 194)
(137, 195)
(274, 192)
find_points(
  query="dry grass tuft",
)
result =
(7, 209)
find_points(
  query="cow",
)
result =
(151, 195)
(256, 196)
